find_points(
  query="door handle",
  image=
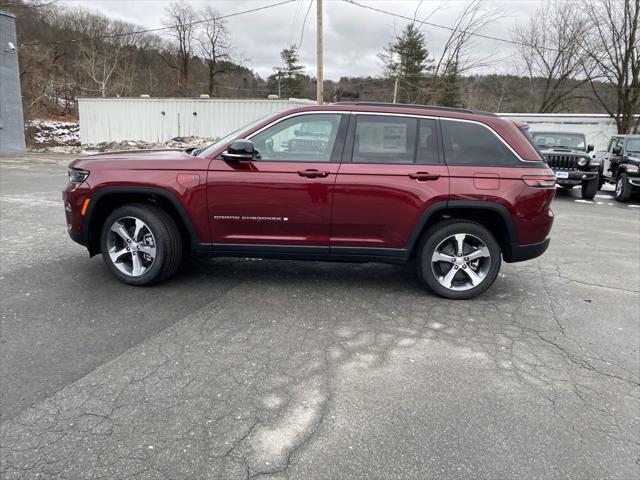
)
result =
(424, 176)
(312, 173)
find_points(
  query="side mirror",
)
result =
(590, 148)
(617, 150)
(239, 150)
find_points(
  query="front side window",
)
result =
(467, 143)
(380, 139)
(304, 138)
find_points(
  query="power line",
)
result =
(304, 23)
(451, 29)
(151, 30)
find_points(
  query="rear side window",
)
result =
(380, 139)
(467, 143)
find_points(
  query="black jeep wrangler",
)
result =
(568, 156)
(621, 165)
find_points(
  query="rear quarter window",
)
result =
(469, 143)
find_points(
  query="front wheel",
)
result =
(141, 244)
(623, 189)
(458, 259)
(589, 189)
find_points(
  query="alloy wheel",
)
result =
(131, 246)
(461, 262)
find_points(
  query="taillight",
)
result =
(539, 181)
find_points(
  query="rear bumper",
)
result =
(520, 253)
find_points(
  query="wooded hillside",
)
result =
(66, 52)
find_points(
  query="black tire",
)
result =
(623, 188)
(589, 189)
(600, 179)
(166, 237)
(440, 232)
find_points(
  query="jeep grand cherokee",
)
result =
(457, 191)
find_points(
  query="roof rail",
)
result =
(413, 105)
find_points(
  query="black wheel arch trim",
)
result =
(509, 249)
(84, 236)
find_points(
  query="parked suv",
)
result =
(455, 190)
(568, 155)
(621, 165)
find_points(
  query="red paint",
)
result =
(357, 205)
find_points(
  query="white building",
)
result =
(161, 119)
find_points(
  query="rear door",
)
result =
(391, 173)
(283, 196)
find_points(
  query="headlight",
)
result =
(77, 176)
(583, 161)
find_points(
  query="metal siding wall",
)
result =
(11, 118)
(117, 119)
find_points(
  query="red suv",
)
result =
(455, 190)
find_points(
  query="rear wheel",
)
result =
(458, 259)
(623, 189)
(589, 189)
(141, 244)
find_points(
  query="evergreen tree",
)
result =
(406, 59)
(290, 75)
(450, 93)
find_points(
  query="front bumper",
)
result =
(574, 177)
(73, 197)
(634, 181)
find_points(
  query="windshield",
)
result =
(233, 135)
(633, 145)
(559, 140)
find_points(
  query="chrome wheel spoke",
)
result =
(473, 276)
(117, 254)
(148, 249)
(136, 233)
(460, 237)
(136, 265)
(119, 229)
(482, 252)
(447, 280)
(442, 257)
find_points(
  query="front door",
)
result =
(283, 196)
(392, 172)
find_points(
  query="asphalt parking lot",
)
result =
(272, 369)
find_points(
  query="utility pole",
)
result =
(395, 89)
(320, 79)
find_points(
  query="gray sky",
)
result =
(353, 36)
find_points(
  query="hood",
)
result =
(562, 151)
(140, 160)
(633, 157)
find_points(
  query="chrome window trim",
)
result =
(351, 112)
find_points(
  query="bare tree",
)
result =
(550, 49)
(614, 47)
(458, 55)
(213, 44)
(180, 18)
(103, 50)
